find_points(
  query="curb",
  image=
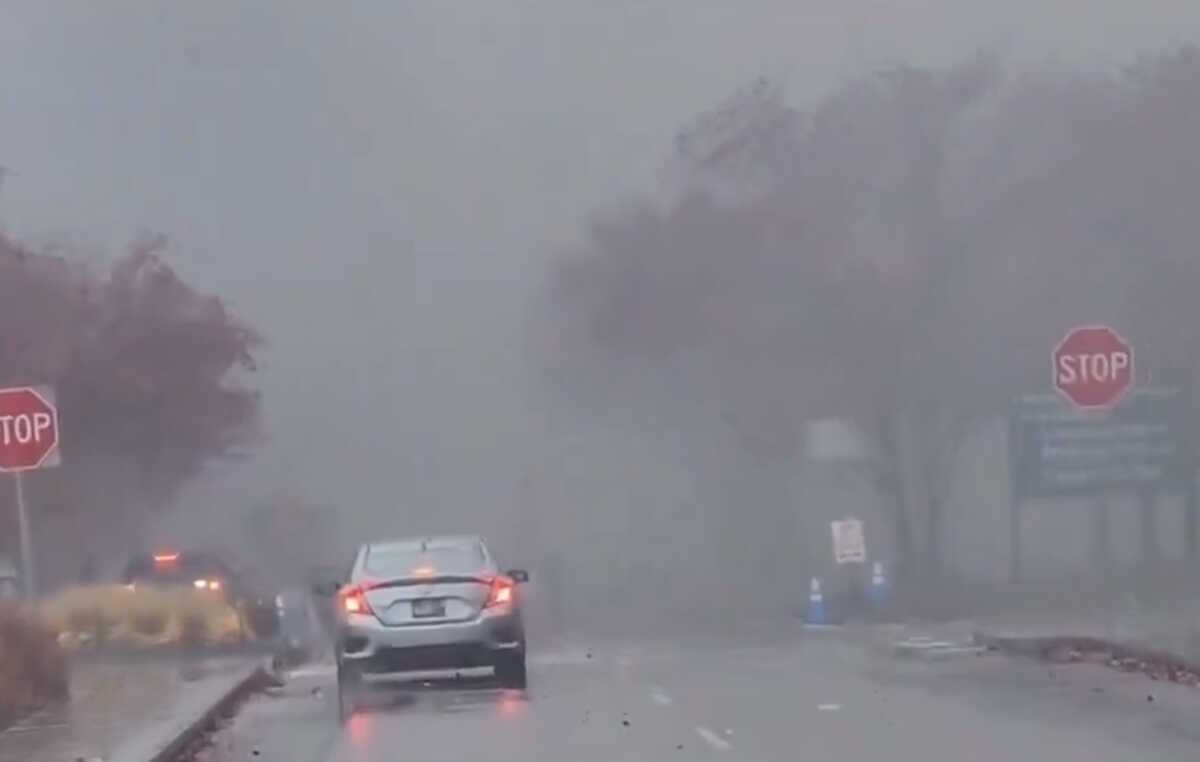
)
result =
(928, 649)
(1042, 646)
(1034, 646)
(132, 654)
(178, 742)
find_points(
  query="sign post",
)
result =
(28, 441)
(27, 564)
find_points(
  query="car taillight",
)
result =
(354, 601)
(501, 592)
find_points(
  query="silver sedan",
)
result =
(428, 604)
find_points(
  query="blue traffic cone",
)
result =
(878, 591)
(816, 604)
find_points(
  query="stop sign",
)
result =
(1093, 367)
(28, 429)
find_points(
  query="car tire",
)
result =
(510, 670)
(349, 682)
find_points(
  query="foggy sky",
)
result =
(378, 185)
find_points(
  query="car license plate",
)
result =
(429, 607)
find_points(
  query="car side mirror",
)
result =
(520, 576)
(326, 589)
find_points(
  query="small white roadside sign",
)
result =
(849, 544)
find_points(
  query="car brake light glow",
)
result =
(355, 602)
(501, 592)
(214, 584)
(165, 558)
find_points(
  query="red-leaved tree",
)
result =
(150, 381)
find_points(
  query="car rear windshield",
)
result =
(408, 561)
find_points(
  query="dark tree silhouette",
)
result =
(904, 254)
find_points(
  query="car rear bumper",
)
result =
(387, 661)
(371, 647)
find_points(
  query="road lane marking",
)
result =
(712, 739)
(625, 659)
(660, 698)
(828, 707)
(924, 643)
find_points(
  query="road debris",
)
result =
(1128, 658)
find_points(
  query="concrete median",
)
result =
(196, 713)
(135, 712)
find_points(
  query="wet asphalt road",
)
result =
(805, 696)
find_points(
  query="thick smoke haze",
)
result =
(900, 255)
(385, 191)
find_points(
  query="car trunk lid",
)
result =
(428, 600)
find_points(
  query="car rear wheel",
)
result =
(510, 670)
(349, 682)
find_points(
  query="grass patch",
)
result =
(33, 668)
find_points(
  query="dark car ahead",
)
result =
(206, 572)
(179, 569)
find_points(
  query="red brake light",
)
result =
(354, 601)
(165, 558)
(501, 592)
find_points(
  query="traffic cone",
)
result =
(878, 591)
(816, 604)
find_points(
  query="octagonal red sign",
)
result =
(28, 429)
(1093, 367)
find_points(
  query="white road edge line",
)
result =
(34, 728)
(660, 697)
(713, 739)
